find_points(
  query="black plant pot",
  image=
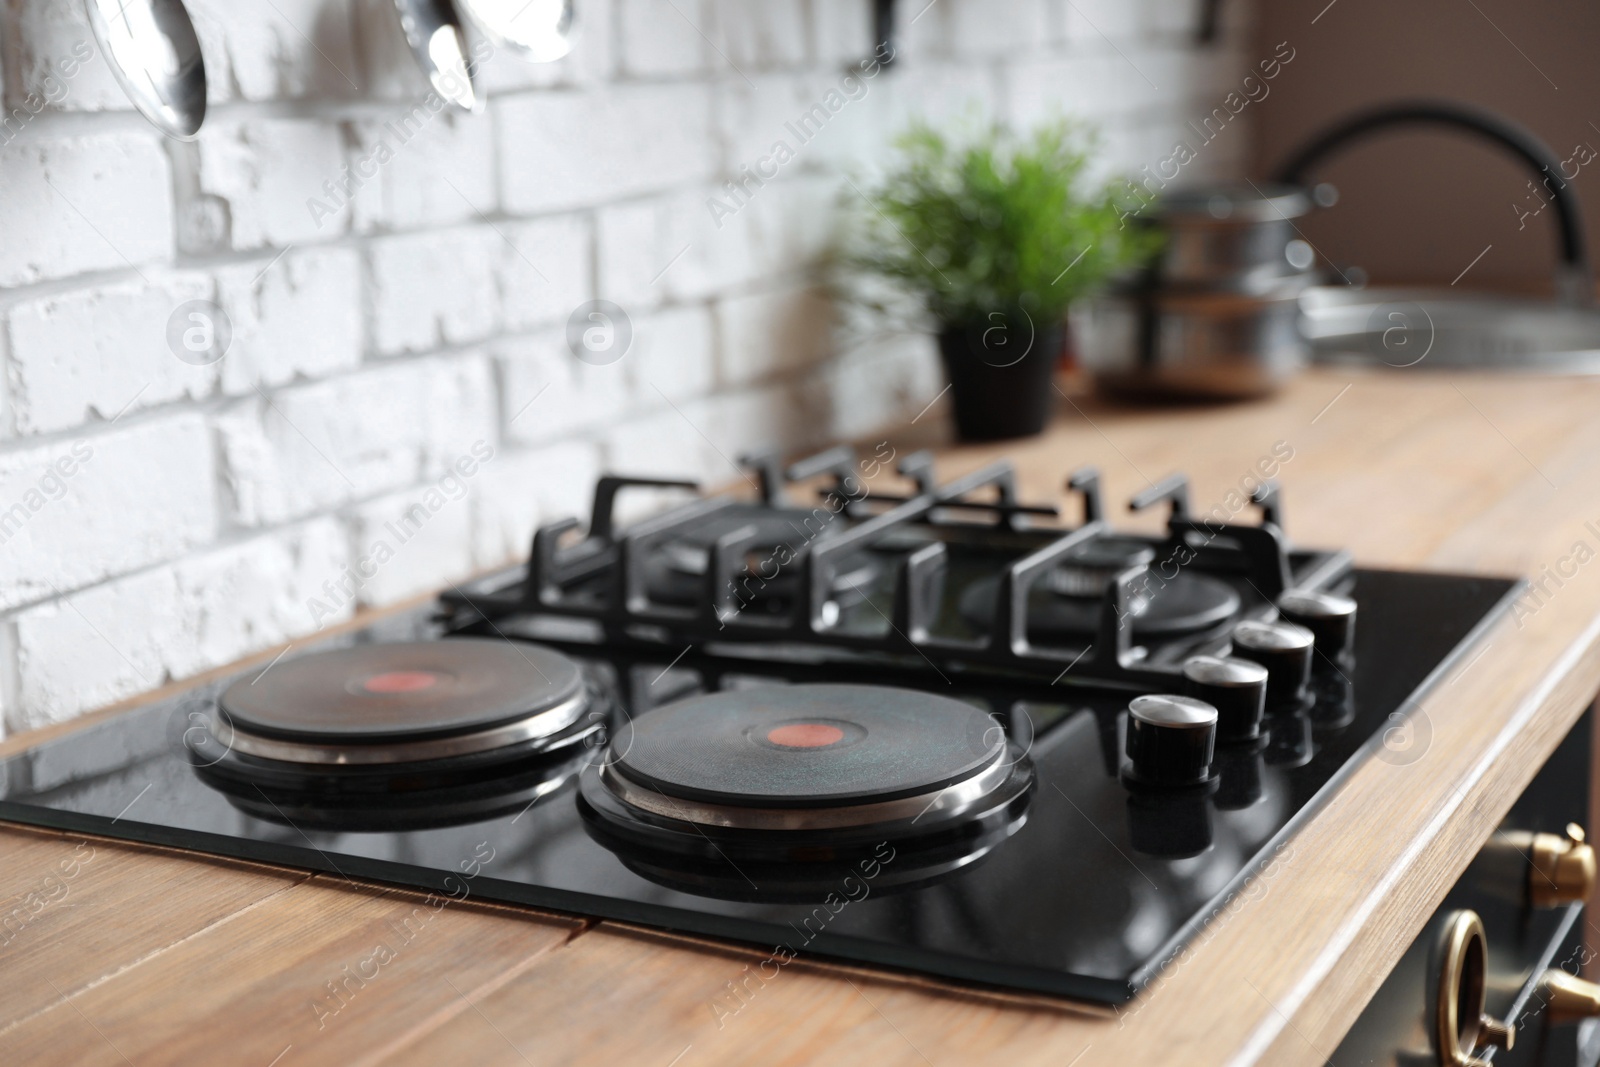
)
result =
(1000, 372)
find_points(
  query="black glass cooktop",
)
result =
(1077, 887)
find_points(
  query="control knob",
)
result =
(1237, 688)
(1330, 618)
(1170, 740)
(1285, 650)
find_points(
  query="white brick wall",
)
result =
(262, 171)
(564, 150)
(83, 203)
(109, 642)
(314, 447)
(95, 351)
(442, 174)
(397, 282)
(82, 509)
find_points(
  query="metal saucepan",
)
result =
(155, 57)
(1214, 315)
(1240, 238)
(1215, 344)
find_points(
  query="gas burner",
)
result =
(408, 734)
(768, 582)
(930, 566)
(806, 773)
(1065, 604)
(1089, 570)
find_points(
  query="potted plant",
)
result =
(994, 237)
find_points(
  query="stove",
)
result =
(937, 730)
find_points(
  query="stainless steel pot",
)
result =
(1216, 344)
(1234, 237)
(1215, 315)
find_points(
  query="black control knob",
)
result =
(1285, 650)
(1330, 618)
(1170, 740)
(1237, 688)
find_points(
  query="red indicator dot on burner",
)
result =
(400, 681)
(805, 735)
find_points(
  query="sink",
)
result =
(1413, 327)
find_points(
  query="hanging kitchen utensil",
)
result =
(884, 31)
(434, 30)
(539, 31)
(155, 56)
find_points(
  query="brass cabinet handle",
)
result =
(1460, 1025)
(1567, 998)
(1561, 869)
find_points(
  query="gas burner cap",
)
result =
(1161, 608)
(1093, 565)
(401, 703)
(675, 571)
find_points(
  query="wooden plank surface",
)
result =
(723, 1007)
(326, 973)
(1457, 472)
(76, 911)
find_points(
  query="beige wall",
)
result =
(1419, 206)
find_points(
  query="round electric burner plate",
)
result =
(806, 746)
(396, 694)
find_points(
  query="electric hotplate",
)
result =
(1039, 867)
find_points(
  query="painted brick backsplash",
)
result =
(45, 184)
(394, 283)
(81, 509)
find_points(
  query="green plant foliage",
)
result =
(994, 223)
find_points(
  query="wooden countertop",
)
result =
(150, 956)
